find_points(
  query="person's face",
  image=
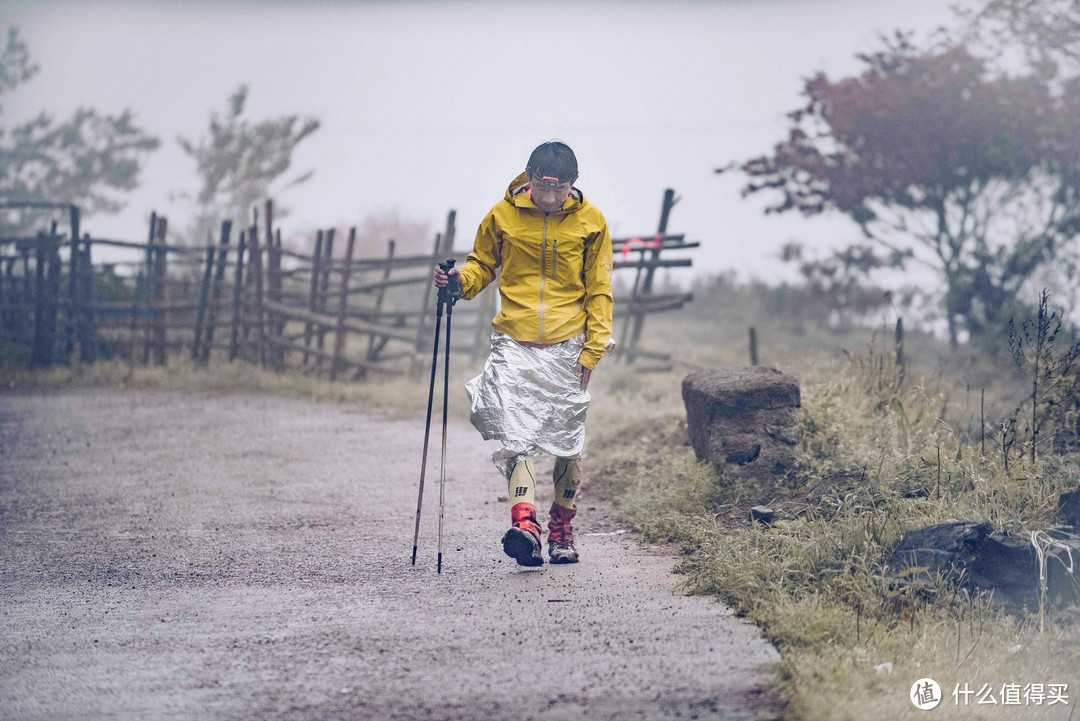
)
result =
(546, 196)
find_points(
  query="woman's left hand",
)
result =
(584, 373)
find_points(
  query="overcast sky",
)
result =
(431, 106)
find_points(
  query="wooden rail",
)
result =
(239, 301)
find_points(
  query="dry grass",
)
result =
(219, 377)
(852, 646)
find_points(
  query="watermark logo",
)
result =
(925, 694)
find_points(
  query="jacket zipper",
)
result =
(554, 257)
(543, 274)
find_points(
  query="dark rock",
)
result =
(945, 549)
(1006, 565)
(1069, 505)
(743, 420)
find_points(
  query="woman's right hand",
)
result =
(441, 277)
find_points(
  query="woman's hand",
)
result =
(584, 373)
(441, 277)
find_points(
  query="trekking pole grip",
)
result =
(451, 292)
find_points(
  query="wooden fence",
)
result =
(643, 300)
(246, 297)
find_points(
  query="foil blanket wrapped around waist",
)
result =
(530, 398)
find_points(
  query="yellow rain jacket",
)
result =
(556, 270)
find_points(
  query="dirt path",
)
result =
(202, 557)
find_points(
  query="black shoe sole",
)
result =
(522, 547)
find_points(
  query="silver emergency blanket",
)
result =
(530, 399)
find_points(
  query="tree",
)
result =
(1045, 33)
(239, 162)
(15, 67)
(91, 160)
(973, 176)
(835, 285)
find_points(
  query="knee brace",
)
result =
(567, 477)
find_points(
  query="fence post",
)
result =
(73, 334)
(249, 284)
(238, 293)
(41, 355)
(448, 235)
(215, 293)
(324, 298)
(88, 326)
(22, 293)
(272, 351)
(257, 277)
(339, 340)
(143, 293)
(160, 294)
(753, 347)
(650, 271)
(12, 319)
(52, 290)
(313, 293)
(276, 321)
(204, 299)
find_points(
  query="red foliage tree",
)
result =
(977, 177)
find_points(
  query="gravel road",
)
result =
(187, 556)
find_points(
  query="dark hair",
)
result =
(554, 159)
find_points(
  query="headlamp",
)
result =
(549, 181)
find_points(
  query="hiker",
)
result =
(553, 326)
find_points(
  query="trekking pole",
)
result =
(453, 292)
(427, 425)
(442, 299)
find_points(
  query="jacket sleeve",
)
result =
(484, 260)
(599, 302)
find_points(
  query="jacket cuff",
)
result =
(469, 286)
(590, 358)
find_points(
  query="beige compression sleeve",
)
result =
(522, 485)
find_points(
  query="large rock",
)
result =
(1069, 506)
(948, 549)
(1007, 565)
(743, 419)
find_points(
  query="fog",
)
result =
(427, 107)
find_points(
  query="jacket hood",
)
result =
(517, 195)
